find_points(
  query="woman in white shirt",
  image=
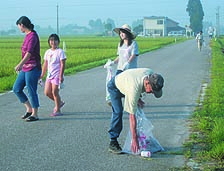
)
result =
(127, 51)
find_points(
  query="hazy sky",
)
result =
(44, 12)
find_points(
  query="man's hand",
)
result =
(134, 146)
(141, 103)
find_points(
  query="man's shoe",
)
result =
(114, 147)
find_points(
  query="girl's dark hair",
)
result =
(129, 37)
(55, 36)
(26, 22)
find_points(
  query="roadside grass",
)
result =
(205, 147)
(82, 53)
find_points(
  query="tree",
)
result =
(196, 13)
(108, 29)
(110, 21)
(137, 23)
(97, 26)
(138, 26)
(108, 26)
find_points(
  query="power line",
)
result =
(57, 21)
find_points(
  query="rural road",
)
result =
(78, 141)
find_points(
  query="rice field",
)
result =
(82, 53)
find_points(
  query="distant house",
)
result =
(189, 31)
(160, 26)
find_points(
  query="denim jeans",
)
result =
(116, 124)
(30, 80)
(118, 72)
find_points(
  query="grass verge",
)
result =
(205, 147)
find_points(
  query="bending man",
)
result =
(130, 84)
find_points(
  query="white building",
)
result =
(160, 26)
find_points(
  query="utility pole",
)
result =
(217, 22)
(57, 22)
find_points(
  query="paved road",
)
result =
(79, 139)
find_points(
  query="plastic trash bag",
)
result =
(111, 71)
(147, 142)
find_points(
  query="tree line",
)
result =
(104, 28)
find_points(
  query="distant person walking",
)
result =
(199, 38)
(54, 62)
(130, 85)
(29, 69)
(127, 50)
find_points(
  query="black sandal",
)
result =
(32, 118)
(26, 115)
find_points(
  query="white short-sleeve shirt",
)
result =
(124, 52)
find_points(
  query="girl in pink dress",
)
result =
(54, 63)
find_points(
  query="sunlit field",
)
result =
(82, 53)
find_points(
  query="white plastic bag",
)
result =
(111, 70)
(147, 142)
